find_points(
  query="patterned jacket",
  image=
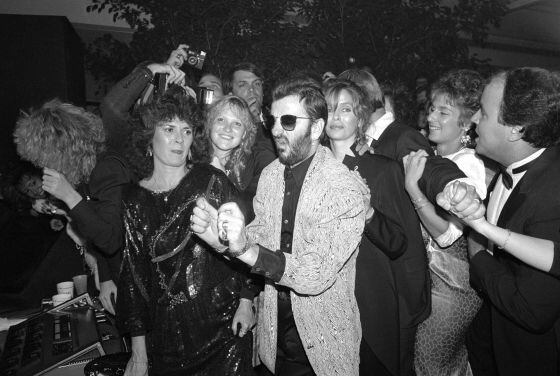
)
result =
(321, 269)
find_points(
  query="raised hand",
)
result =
(178, 56)
(56, 184)
(231, 223)
(173, 74)
(204, 223)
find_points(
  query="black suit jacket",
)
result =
(524, 302)
(398, 140)
(392, 278)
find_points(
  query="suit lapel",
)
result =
(528, 182)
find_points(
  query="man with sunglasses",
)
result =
(310, 214)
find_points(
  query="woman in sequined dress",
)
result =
(176, 299)
(440, 345)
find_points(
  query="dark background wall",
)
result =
(41, 58)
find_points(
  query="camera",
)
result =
(204, 96)
(195, 59)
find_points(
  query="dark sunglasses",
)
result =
(288, 122)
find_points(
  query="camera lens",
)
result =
(192, 60)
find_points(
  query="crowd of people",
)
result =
(323, 235)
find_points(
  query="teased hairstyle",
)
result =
(367, 82)
(172, 104)
(532, 100)
(361, 106)
(462, 88)
(309, 93)
(238, 158)
(63, 137)
(243, 66)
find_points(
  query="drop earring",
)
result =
(149, 152)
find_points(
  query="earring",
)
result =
(149, 152)
(465, 140)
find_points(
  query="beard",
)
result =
(291, 153)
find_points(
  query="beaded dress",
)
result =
(440, 340)
(185, 303)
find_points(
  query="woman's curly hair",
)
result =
(62, 137)
(173, 104)
(237, 160)
(361, 106)
(462, 89)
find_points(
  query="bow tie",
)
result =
(507, 179)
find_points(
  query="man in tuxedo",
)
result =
(517, 331)
(410, 269)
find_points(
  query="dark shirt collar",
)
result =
(299, 171)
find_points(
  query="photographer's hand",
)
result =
(174, 75)
(177, 57)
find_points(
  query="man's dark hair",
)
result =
(532, 100)
(310, 95)
(243, 66)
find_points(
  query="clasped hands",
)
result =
(222, 228)
(462, 200)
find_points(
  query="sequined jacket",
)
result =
(321, 269)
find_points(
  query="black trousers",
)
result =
(291, 359)
(370, 365)
(479, 343)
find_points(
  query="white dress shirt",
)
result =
(500, 194)
(375, 130)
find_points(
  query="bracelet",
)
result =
(134, 361)
(417, 200)
(418, 207)
(506, 241)
(81, 248)
(230, 253)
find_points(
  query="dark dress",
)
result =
(186, 322)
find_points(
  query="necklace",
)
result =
(160, 189)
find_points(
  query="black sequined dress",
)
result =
(183, 304)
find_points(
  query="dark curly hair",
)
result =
(63, 137)
(531, 99)
(173, 104)
(361, 106)
(462, 89)
(238, 158)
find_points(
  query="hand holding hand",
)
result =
(204, 223)
(462, 200)
(231, 222)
